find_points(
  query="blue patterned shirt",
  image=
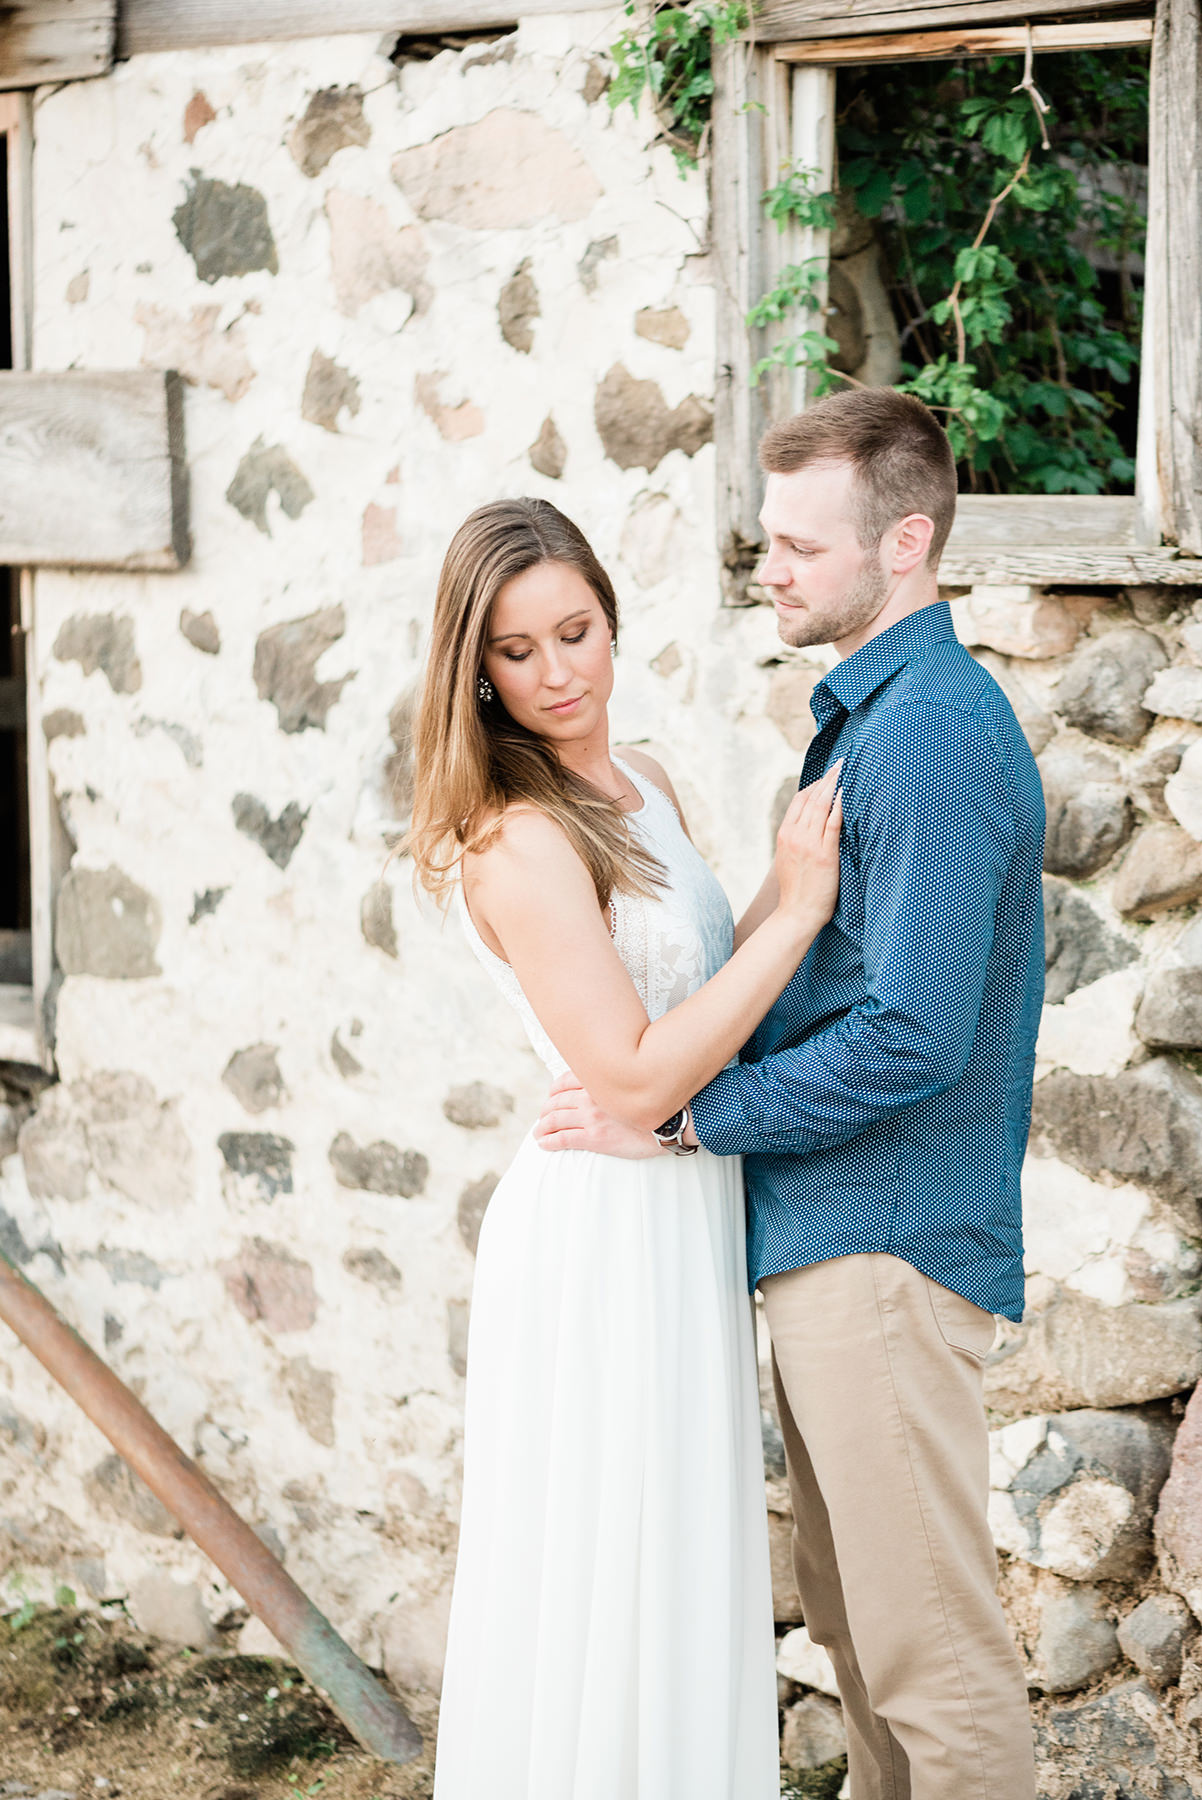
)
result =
(884, 1102)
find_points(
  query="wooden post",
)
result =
(55, 40)
(1174, 264)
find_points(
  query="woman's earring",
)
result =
(484, 689)
(613, 646)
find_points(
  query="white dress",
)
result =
(611, 1627)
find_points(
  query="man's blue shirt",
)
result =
(884, 1102)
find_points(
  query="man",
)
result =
(883, 1107)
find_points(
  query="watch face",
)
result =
(671, 1126)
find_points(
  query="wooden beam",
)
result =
(1175, 224)
(55, 40)
(1119, 566)
(1036, 522)
(188, 24)
(996, 40)
(785, 21)
(92, 470)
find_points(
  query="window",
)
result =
(780, 97)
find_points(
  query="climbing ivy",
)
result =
(990, 240)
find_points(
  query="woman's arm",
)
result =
(538, 900)
(765, 902)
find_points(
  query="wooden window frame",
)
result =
(775, 103)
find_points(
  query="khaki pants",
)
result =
(878, 1380)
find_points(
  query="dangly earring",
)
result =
(613, 646)
(484, 689)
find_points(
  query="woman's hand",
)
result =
(807, 853)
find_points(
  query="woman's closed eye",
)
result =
(520, 657)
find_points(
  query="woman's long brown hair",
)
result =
(472, 760)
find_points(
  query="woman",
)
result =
(611, 1627)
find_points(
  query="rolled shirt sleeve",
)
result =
(930, 831)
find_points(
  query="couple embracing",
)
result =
(828, 1101)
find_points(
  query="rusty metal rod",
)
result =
(365, 1707)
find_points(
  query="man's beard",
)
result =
(858, 608)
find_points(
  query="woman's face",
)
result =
(548, 653)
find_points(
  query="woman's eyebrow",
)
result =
(579, 613)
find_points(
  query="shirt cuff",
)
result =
(721, 1119)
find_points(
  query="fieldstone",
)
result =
(473, 1203)
(637, 427)
(375, 918)
(652, 539)
(667, 326)
(114, 1490)
(800, 1659)
(382, 542)
(62, 722)
(1154, 1637)
(1170, 1013)
(669, 661)
(1018, 621)
(262, 1158)
(548, 453)
(330, 390)
(455, 422)
(1075, 1351)
(198, 347)
(1035, 721)
(197, 114)
(285, 668)
(113, 1124)
(813, 1734)
(596, 253)
(277, 838)
(1076, 1641)
(1179, 1516)
(201, 631)
(1183, 791)
(103, 641)
(311, 1395)
(1162, 869)
(332, 121)
(1144, 1126)
(253, 1076)
(378, 1168)
(344, 1060)
(507, 169)
(269, 1285)
(1089, 815)
(1177, 694)
(267, 469)
(786, 1601)
(12, 1242)
(370, 256)
(399, 776)
(369, 1264)
(477, 1106)
(225, 229)
(1102, 689)
(458, 1316)
(204, 905)
(1078, 946)
(518, 307)
(1151, 774)
(1075, 1493)
(1119, 1745)
(789, 703)
(106, 925)
(597, 78)
(131, 1266)
(172, 1611)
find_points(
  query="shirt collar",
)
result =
(867, 668)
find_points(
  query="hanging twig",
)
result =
(1027, 86)
(954, 296)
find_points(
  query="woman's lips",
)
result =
(565, 706)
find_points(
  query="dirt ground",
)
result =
(93, 1709)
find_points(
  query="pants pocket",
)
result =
(962, 1325)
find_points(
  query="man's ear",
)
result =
(906, 545)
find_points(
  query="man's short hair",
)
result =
(900, 453)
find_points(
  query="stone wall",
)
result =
(285, 1091)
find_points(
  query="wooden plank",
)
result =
(92, 470)
(188, 24)
(1120, 566)
(16, 121)
(55, 40)
(780, 21)
(997, 40)
(1043, 521)
(1175, 208)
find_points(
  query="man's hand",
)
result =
(570, 1121)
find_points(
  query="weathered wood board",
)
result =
(183, 24)
(777, 21)
(92, 470)
(1026, 522)
(1175, 249)
(985, 40)
(55, 40)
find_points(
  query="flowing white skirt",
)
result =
(611, 1627)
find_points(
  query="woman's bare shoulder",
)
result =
(518, 838)
(654, 771)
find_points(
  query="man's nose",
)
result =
(773, 571)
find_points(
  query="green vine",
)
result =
(1008, 329)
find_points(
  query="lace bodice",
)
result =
(670, 945)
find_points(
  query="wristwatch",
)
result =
(670, 1135)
